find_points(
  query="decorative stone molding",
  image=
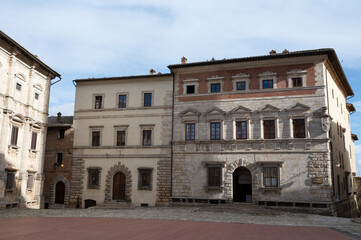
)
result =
(109, 182)
(189, 115)
(241, 77)
(59, 178)
(296, 73)
(268, 75)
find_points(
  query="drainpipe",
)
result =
(172, 136)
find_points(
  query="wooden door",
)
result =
(119, 186)
(59, 193)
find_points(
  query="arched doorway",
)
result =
(119, 186)
(242, 185)
(59, 193)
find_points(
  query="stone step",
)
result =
(113, 205)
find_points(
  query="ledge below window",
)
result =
(214, 188)
(270, 190)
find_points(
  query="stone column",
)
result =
(291, 127)
(261, 130)
(307, 128)
(277, 130)
(249, 129)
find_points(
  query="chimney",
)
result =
(183, 60)
(59, 117)
(152, 71)
(272, 52)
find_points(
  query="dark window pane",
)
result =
(147, 99)
(61, 133)
(297, 82)
(33, 140)
(241, 130)
(18, 86)
(190, 131)
(122, 101)
(269, 129)
(59, 158)
(241, 85)
(215, 131)
(120, 138)
(36, 96)
(214, 176)
(14, 135)
(191, 89)
(10, 178)
(299, 128)
(147, 137)
(215, 87)
(98, 102)
(29, 184)
(267, 84)
(96, 138)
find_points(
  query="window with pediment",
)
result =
(215, 84)
(296, 78)
(299, 117)
(267, 80)
(215, 117)
(241, 82)
(190, 124)
(269, 122)
(241, 117)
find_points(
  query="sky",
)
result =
(105, 38)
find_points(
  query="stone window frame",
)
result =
(30, 181)
(188, 82)
(222, 166)
(268, 75)
(152, 101)
(241, 113)
(241, 77)
(213, 80)
(185, 131)
(147, 127)
(141, 171)
(299, 111)
(120, 128)
(276, 127)
(93, 101)
(117, 100)
(269, 112)
(18, 122)
(10, 172)
(264, 164)
(219, 116)
(296, 73)
(193, 117)
(247, 120)
(95, 129)
(91, 170)
(220, 129)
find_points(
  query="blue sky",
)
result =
(88, 38)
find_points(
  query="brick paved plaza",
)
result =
(201, 222)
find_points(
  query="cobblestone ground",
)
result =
(217, 213)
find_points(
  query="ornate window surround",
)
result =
(215, 79)
(189, 116)
(268, 75)
(241, 77)
(269, 112)
(299, 111)
(215, 115)
(189, 82)
(241, 113)
(296, 73)
(263, 164)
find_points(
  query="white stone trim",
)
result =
(241, 77)
(214, 80)
(296, 73)
(268, 75)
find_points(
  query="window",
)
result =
(33, 140)
(14, 136)
(269, 129)
(30, 182)
(191, 89)
(267, 84)
(120, 138)
(18, 86)
(10, 180)
(95, 138)
(147, 99)
(122, 101)
(214, 176)
(190, 131)
(94, 177)
(241, 130)
(61, 133)
(297, 82)
(145, 178)
(215, 87)
(98, 102)
(270, 176)
(241, 85)
(59, 158)
(215, 131)
(299, 128)
(147, 137)
(36, 96)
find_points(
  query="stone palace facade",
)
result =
(272, 130)
(24, 103)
